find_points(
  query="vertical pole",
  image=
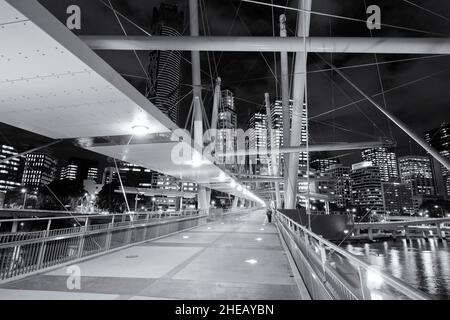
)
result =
(24, 200)
(197, 92)
(406, 232)
(298, 95)
(439, 231)
(109, 234)
(365, 292)
(121, 185)
(285, 101)
(43, 247)
(15, 226)
(327, 207)
(82, 238)
(235, 203)
(181, 204)
(275, 170)
(216, 102)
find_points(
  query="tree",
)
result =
(14, 198)
(435, 208)
(61, 192)
(109, 199)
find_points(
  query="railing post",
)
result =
(439, 230)
(129, 233)
(82, 238)
(323, 258)
(146, 226)
(43, 246)
(109, 234)
(365, 292)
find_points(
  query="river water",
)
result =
(424, 264)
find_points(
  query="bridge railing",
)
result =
(24, 253)
(332, 273)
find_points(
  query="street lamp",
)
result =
(136, 199)
(153, 203)
(442, 211)
(24, 191)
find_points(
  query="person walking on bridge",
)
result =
(269, 215)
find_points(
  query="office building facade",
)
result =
(439, 138)
(164, 67)
(39, 170)
(342, 184)
(366, 187)
(276, 113)
(257, 141)
(10, 171)
(77, 169)
(417, 173)
(397, 199)
(385, 160)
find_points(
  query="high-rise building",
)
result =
(439, 139)
(322, 165)
(40, 169)
(383, 159)
(79, 170)
(257, 132)
(397, 199)
(131, 175)
(276, 110)
(10, 171)
(164, 69)
(226, 126)
(417, 173)
(342, 185)
(366, 186)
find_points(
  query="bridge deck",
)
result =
(208, 262)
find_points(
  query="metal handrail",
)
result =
(392, 281)
(84, 216)
(22, 253)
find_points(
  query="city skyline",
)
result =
(210, 149)
(250, 102)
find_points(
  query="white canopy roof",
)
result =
(53, 84)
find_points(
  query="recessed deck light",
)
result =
(140, 130)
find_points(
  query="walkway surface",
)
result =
(240, 257)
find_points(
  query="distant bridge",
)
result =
(438, 224)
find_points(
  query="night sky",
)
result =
(422, 105)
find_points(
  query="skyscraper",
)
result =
(276, 110)
(322, 165)
(40, 169)
(10, 171)
(226, 126)
(342, 187)
(385, 160)
(257, 131)
(131, 175)
(164, 69)
(79, 170)
(397, 198)
(439, 139)
(366, 186)
(416, 172)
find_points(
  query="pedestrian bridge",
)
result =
(238, 256)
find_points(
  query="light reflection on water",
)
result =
(422, 263)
